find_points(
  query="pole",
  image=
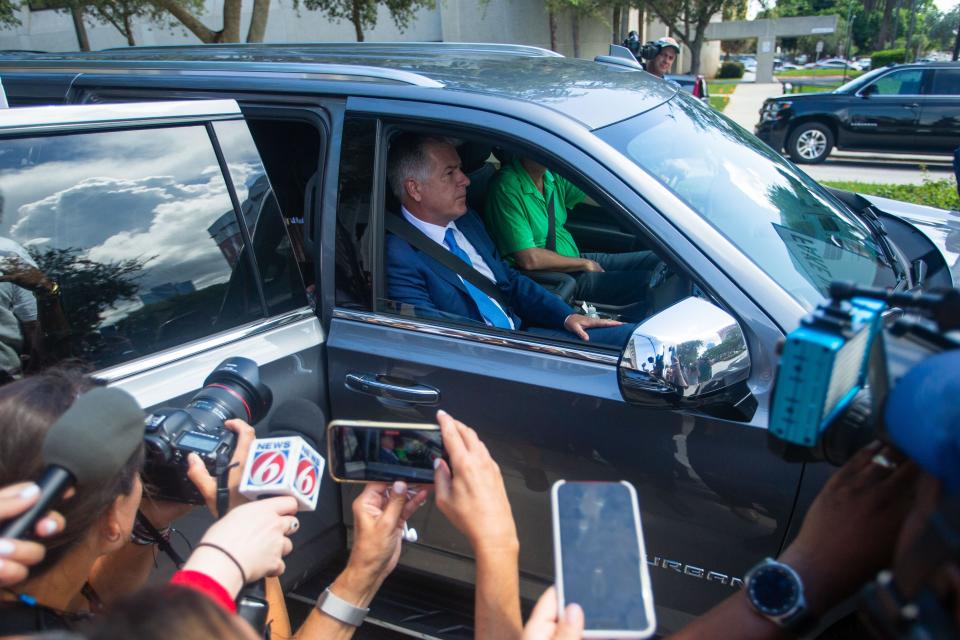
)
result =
(913, 24)
(846, 45)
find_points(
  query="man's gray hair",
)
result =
(409, 160)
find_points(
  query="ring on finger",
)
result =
(883, 461)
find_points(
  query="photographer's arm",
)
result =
(847, 536)
(378, 517)
(471, 494)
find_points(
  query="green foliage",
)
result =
(8, 15)
(730, 69)
(719, 102)
(932, 193)
(816, 73)
(885, 57)
(363, 13)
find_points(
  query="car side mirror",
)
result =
(868, 91)
(693, 355)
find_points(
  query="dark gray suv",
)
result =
(248, 219)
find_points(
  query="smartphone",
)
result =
(365, 451)
(600, 559)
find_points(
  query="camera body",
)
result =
(838, 368)
(650, 50)
(232, 390)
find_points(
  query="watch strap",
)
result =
(339, 609)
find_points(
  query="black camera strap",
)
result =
(222, 474)
(162, 541)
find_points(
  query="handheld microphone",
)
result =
(86, 447)
(286, 463)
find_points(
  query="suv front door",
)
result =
(159, 224)
(884, 114)
(939, 123)
(550, 410)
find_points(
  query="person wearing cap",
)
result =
(666, 56)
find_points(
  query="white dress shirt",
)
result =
(437, 234)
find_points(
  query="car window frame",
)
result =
(932, 78)
(215, 339)
(390, 124)
(924, 74)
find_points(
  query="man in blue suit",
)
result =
(425, 175)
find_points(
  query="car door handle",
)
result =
(375, 385)
(912, 105)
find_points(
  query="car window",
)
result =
(138, 230)
(946, 82)
(277, 252)
(778, 217)
(905, 82)
(619, 276)
(353, 241)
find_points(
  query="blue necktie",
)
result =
(485, 304)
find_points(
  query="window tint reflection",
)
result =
(137, 228)
(776, 215)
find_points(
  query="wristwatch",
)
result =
(776, 592)
(339, 609)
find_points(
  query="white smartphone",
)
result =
(600, 559)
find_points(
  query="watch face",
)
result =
(774, 590)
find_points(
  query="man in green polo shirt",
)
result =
(518, 201)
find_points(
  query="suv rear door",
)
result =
(159, 224)
(939, 125)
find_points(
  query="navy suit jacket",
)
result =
(417, 279)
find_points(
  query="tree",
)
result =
(363, 13)
(688, 20)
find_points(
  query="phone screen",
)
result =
(600, 556)
(374, 452)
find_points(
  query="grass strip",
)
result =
(933, 193)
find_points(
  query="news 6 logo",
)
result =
(268, 468)
(307, 474)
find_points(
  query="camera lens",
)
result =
(232, 390)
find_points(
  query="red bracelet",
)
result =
(206, 585)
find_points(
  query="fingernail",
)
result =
(441, 412)
(436, 463)
(48, 526)
(29, 491)
(6, 547)
(399, 487)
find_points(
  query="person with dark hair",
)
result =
(170, 612)
(426, 177)
(94, 559)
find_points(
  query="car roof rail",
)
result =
(306, 70)
(356, 47)
(619, 56)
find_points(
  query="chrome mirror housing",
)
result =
(688, 352)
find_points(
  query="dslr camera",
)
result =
(839, 367)
(232, 390)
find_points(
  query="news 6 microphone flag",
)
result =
(285, 466)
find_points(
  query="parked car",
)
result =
(246, 217)
(865, 63)
(837, 63)
(898, 108)
(694, 85)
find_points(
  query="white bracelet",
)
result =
(339, 609)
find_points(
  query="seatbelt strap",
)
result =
(551, 243)
(399, 227)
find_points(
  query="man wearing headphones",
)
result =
(661, 63)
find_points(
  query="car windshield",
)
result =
(859, 81)
(778, 216)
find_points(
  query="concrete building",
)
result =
(509, 21)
